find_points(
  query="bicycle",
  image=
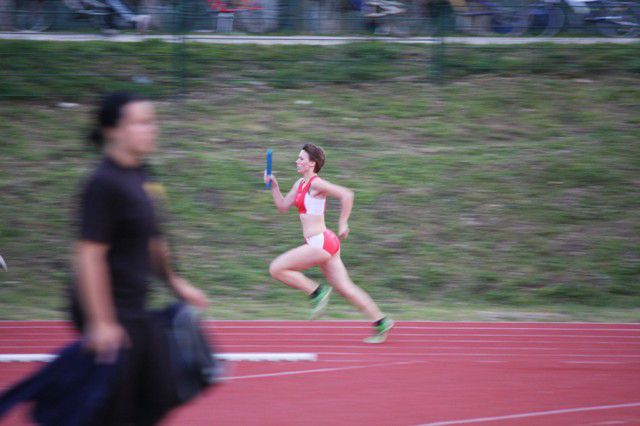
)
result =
(426, 17)
(34, 15)
(40, 15)
(482, 17)
(611, 18)
(403, 18)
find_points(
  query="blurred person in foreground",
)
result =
(118, 249)
(322, 248)
(132, 365)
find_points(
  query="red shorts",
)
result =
(328, 241)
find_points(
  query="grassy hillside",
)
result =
(511, 188)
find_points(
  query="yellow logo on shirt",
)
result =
(155, 191)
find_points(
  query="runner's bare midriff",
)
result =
(312, 224)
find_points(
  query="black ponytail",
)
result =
(95, 137)
(109, 113)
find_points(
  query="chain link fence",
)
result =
(611, 18)
(192, 45)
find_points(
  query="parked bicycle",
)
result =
(483, 17)
(40, 15)
(403, 18)
(611, 18)
(426, 17)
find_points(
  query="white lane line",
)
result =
(322, 370)
(463, 354)
(377, 348)
(46, 331)
(268, 340)
(397, 339)
(255, 357)
(460, 335)
(630, 324)
(391, 350)
(427, 344)
(533, 414)
(298, 344)
(592, 362)
(472, 338)
(417, 344)
(377, 351)
(408, 327)
(333, 325)
(424, 321)
(14, 347)
(47, 327)
(36, 339)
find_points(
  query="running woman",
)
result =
(322, 246)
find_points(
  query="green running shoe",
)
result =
(320, 302)
(380, 331)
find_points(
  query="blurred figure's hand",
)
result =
(105, 340)
(189, 293)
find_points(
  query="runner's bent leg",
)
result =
(286, 267)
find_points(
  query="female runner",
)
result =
(322, 246)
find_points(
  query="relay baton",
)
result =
(268, 167)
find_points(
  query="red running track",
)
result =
(427, 373)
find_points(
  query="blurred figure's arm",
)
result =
(103, 334)
(161, 261)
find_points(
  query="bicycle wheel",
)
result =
(260, 16)
(105, 20)
(545, 19)
(509, 18)
(619, 19)
(417, 18)
(34, 15)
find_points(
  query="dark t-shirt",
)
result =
(116, 210)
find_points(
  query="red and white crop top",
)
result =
(306, 203)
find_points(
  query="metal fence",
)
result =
(194, 45)
(611, 18)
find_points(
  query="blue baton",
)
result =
(269, 167)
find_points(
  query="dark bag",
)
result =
(68, 391)
(193, 365)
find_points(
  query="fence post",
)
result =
(180, 49)
(289, 20)
(438, 69)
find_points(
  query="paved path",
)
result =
(309, 40)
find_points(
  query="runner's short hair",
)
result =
(315, 154)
